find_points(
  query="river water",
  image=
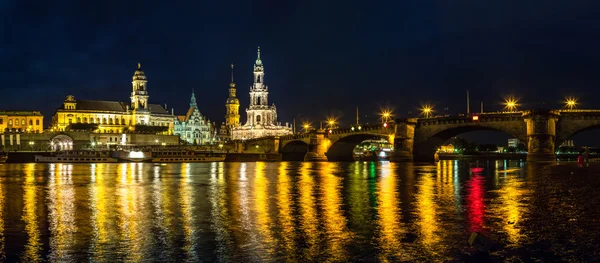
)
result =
(257, 212)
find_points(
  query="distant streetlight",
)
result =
(306, 126)
(427, 110)
(331, 123)
(385, 115)
(511, 104)
(571, 103)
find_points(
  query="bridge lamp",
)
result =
(427, 110)
(571, 103)
(352, 128)
(511, 104)
(385, 115)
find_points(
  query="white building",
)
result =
(261, 118)
(193, 127)
(513, 142)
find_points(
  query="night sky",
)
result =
(321, 58)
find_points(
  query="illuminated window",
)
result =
(37, 122)
(9, 122)
(23, 122)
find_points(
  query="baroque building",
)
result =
(116, 116)
(21, 121)
(193, 127)
(261, 118)
(232, 107)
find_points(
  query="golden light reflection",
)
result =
(131, 213)
(186, 195)
(261, 197)
(308, 214)
(34, 245)
(334, 220)
(100, 204)
(2, 240)
(389, 216)
(511, 207)
(285, 203)
(427, 220)
(220, 215)
(161, 200)
(61, 206)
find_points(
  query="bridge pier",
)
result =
(404, 141)
(541, 135)
(317, 148)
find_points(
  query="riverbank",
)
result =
(29, 157)
(483, 156)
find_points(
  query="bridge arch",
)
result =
(429, 138)
(571, 126)
(340, 148)
(294, 150)
(61, 142)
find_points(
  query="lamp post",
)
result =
(570, 103)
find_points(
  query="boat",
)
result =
(186, 156)
(373, 150)
(3, 157)
(132, 155)
(78, 156)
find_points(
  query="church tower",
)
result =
(193, 103)
(139, 95)
(232, 106)
(139, 98)
(258, 92)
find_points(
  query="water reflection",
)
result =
(389, 216)
(308, 215)
(285, 205)
(254, 212)
(334, 221)
(30, 206)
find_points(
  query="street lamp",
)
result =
(385, 115)
(570, 103)
(306, 126)
(31, 144)
(426, 110)
(511, 104)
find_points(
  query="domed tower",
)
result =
(139, 95)
(232, 105)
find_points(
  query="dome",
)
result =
(139, 73)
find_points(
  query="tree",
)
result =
(521, 147)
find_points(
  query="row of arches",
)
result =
(424, 148)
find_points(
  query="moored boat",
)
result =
(79, 156)
(186, 156)
(133, 155)
(373, 150)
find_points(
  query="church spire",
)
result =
(193, 103)
(258, 61)
(232, 83)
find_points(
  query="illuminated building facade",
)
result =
(21, 121)
(193, 127)
(232, 106)
(115, 116)
(261, 118)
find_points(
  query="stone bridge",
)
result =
(419, 138)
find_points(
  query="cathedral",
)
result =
(261, 117)
(193, 127)
(232, 108)
(116, 116)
